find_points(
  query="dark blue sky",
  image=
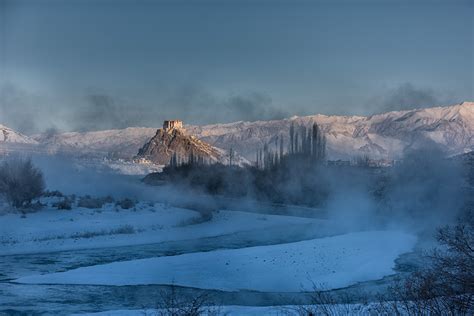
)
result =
(103, 64)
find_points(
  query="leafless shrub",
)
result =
(173, 303)
(322, 302)
(94, 202)
(126, 203)
(125, 229)
(65, 204)
(55, 193)
(20, 181)
(89, 202)
(88, 234)
(446, 285)
(122, 230)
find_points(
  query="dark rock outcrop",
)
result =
(166, 143)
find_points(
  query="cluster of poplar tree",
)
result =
(305, 144)
(192, 159)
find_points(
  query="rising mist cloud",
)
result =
(102, 111)
(17, 108)
(407, 96)
(99, 110)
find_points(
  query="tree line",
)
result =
(307, 144)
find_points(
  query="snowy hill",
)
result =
(118, 143)
(9, 136)
(13, 141)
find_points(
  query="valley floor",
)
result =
(99, 257)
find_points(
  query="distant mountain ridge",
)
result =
(115, 143)
(382, 136)
(385, 135)
(9, 136)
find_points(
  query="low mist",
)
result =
(421, 192)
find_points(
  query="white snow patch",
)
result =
(58, 230)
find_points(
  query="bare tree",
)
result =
(281, 148)
(173, 303)
(292, 138)
(20, 181)
(231, 156)
(446, 285)
(326, 303)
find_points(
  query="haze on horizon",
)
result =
(99, 64)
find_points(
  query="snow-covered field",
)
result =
(333, 262)
(81, 228)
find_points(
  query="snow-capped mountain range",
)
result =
(380, 136)
(7, 135)
(116, 143)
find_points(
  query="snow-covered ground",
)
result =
(80, 228)
(332, 262)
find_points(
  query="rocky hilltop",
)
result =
(172, 140)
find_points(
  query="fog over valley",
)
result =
(188, 158)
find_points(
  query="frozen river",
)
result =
(66, 299)
(77, 298)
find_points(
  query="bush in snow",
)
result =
(121, 230)
(93, 202)
(126, 203)
(124, 229)
(55, 193)
(65, 204)
(326, 303)
(90, 202)
(20, 181)
(175, 303)
(446, 286)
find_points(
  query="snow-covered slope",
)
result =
(384, 135)
(9, 136)
(117, 143)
